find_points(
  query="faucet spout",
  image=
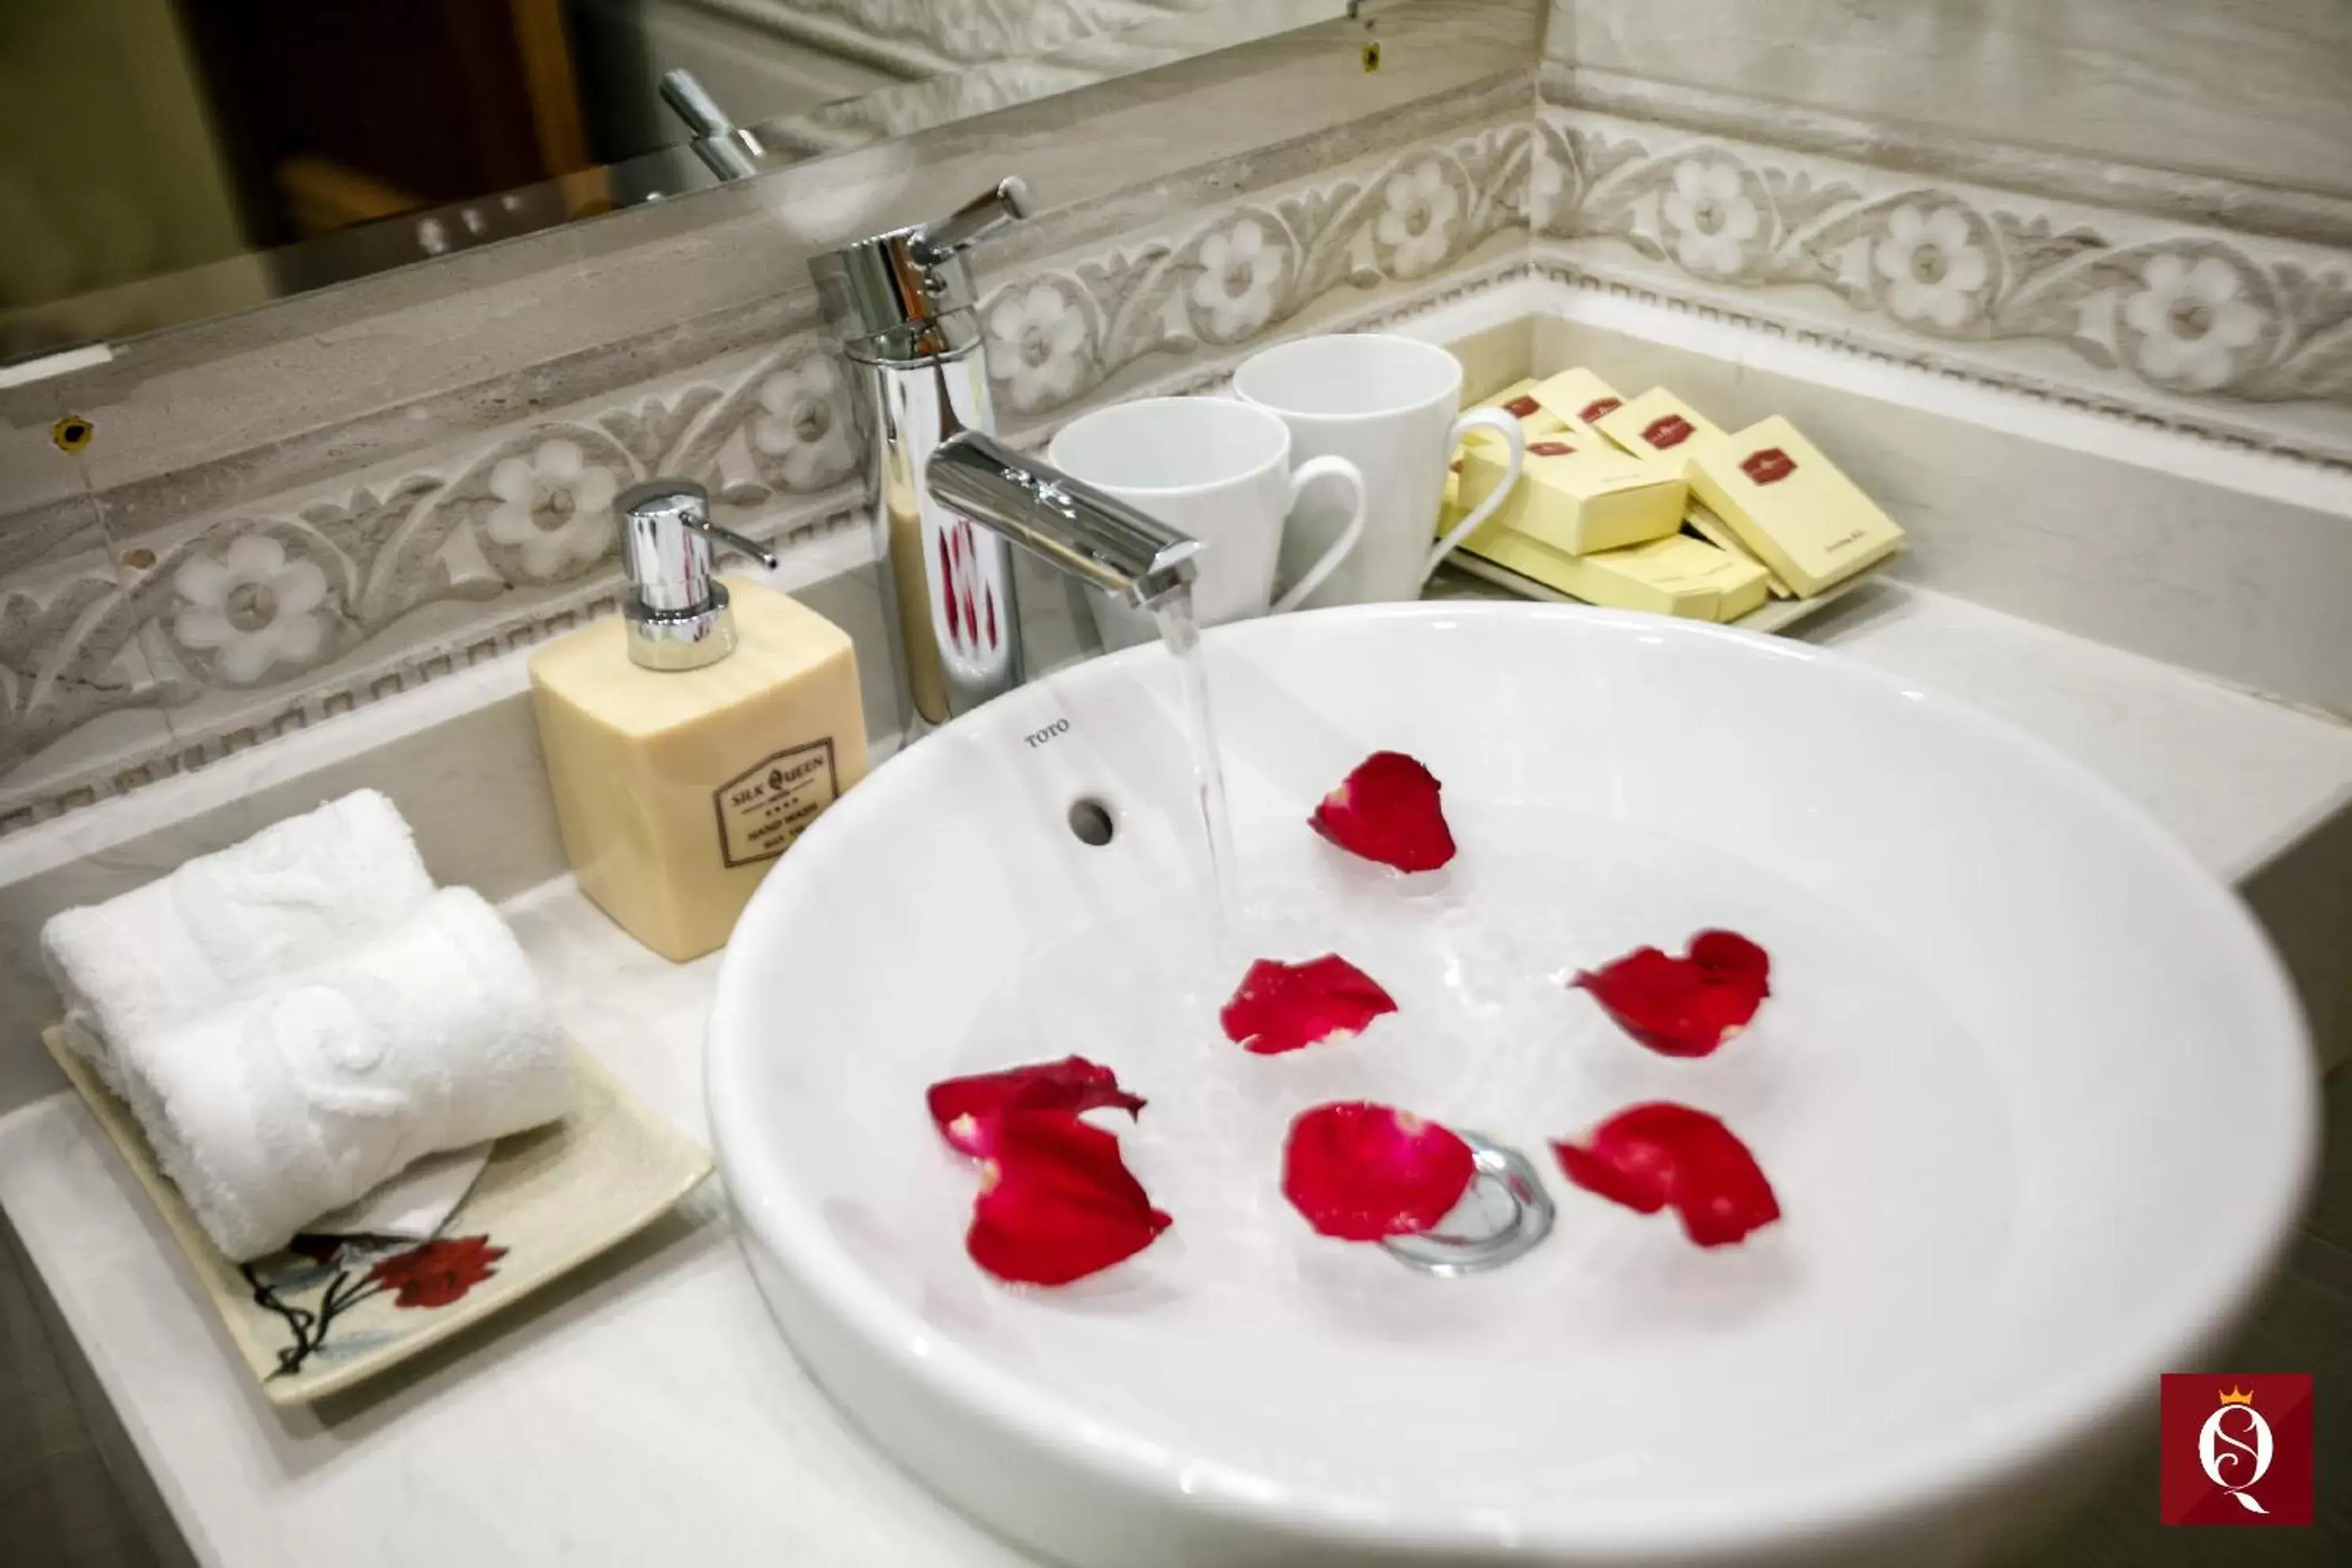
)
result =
(1092, 535)
(947, 501)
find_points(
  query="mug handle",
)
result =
(1305, 474)
(1504, 425)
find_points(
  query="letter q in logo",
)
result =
(2234, 1447)
(2237, 1450)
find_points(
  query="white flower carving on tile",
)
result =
(250, 607)
(1932, 264)
(1240, 269)
(803, 424)
(1037, 344)
(555, 508)
(1712, 218)
(1547, 183)
(1416, 224)
(2191, 320)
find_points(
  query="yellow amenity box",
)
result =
(1577, 495)
(1676, 576)
(1577, 397)
(1698, 519)
(1789, 505)
(1659, 425)
(1519, 400)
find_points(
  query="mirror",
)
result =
(162, 161)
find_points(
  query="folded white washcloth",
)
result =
(413, 1206)
(276, 1108)
(294, 894)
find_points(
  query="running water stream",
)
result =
(1181, 632)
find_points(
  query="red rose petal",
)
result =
(1683, 1007)
(965, 1108)
(1662, 1154)
(1387, 811)
(1360, 1172)
(1284, 1007)
(1056, 1202)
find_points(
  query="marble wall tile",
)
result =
(36, 473)
(306, 585)
(56, 534)
(1056, 334)
(2196, 199)
(2247, 337)
(2144, 208)
(2248, 93)
(80, 705)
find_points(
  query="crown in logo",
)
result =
(2237, 1397)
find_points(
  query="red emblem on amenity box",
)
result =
(1768, 467)
(1549, 450)
(1599, 406)
(1671, 430)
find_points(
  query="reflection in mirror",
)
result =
(161, 161)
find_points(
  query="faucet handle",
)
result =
(905, 295)
(985, 214)
(692, 103)
(716, 141)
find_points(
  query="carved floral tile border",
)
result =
(241, 625)
(1061, 332)
(2237, 335)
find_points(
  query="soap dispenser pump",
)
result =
(678, 614)
(691, 739)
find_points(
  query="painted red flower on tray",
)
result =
(347, 1271)
(1056, 1202)
(1285, 1007)
(1683, 1007)
(1663, 1155)
(1387, 810)
(965, 1108)
(1360, 1172)
(439, 1272)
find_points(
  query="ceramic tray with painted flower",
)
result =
(331, 1312)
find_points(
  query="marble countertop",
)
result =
(645, 1410)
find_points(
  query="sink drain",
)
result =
(1091, 820)
(1500, 1219)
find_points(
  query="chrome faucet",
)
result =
(729, 153)
(905, 310)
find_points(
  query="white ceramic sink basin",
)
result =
(2033, 1093)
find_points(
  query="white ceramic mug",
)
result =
(1390, 405)
(1220, 471)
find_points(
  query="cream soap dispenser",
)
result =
(692, 738)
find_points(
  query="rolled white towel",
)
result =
(276, 1109)
(294, 894)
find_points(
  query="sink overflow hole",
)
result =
(1092, 822)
